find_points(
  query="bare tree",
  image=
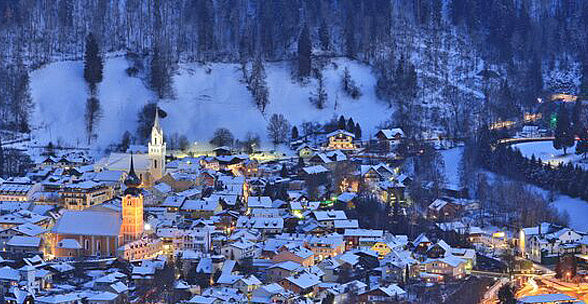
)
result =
(222, 137)
(278, 129)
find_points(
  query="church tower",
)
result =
(132, 208)
(157, 150)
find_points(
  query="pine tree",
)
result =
(1, 159)
(350, 126)
(304, 53)
(341, 124)
(295, 134)
(324, 36)
(160, 78)
(93, 64)
(582, 146)
(319, 98)
(357, 131)
(91, 116)
(564, 135)
(578, 124)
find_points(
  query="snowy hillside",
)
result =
(206, 98)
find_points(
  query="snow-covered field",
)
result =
(548, 154)
(576, 208)
(452, 158)
(204, 101)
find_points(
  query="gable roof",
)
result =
(88, 223)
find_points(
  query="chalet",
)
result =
(450, 267)
(389, 294)
(444, 209)
(389, 139)
(341, 140)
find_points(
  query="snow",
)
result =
(548, 154)
(576, 208)
(206, 98)
(452, 157)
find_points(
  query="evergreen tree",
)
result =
(584, 75)
(319, 98)
(258, 86)
(91, 116)
(564, 135)
(160, 77)
(295, 134)
(284, 171)
(324, 36)
(1, 159)
(304, 53)
(350, 126)
(578, 124)
(357, 131)
(93, 64)
(22, 102)
(582, 146)
(341, 124)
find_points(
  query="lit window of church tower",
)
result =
(157, 150)
(132, 208)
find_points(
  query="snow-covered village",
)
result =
(292, 151)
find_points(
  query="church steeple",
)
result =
(132, 181)
(157, 150)
(132, 207)
(156, 120)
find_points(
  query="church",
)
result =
(150, 166)
(101, 233)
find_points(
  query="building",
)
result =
(150, 167)
(340, 140)
(17, 189)
(79, 196)
(87, 233)
(132, 208)
(389, 139)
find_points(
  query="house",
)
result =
(340, 140)
(302, 283)
(240, 249)
(444, 209)
(196, 209)
(389, 139)
(24, 245)
(295, 253)
(271, 293)
(383, 294)
(281, 270)
(450, 267)
(326, 219)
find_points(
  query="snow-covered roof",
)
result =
(24, 241)
(330, 215)
(392, 133)
(337, 132)
(318, 169)
(304, 280)
(88, 223)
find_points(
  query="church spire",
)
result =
(132, 180)
(156, 120)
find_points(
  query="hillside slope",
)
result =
(206, 98)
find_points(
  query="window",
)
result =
(86, 244)
(155, 163)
